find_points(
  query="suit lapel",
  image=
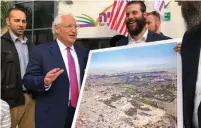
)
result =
(57, 57)
(149, 36)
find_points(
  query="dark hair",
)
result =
(154, 13)
(141, 3)
(115, 39)
(15, 8)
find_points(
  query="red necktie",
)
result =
(73, 79)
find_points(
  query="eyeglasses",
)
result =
(70, 26)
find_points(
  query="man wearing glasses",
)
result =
(55, 73)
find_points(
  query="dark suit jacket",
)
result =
(51, 106)
(150, 37)
(190, 53)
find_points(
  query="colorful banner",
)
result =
(92, 17)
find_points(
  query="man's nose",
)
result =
(130, 16)
(21, 23)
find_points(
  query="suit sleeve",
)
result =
(184, 78)
(34, 78)
(118, 43)
(122, 42)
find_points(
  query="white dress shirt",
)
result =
(142, 40)
(64, 53)
(197, 95)
(23, 53)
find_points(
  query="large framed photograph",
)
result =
(134, 86)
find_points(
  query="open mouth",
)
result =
(132, 22)
(73, 36)
(20, 30)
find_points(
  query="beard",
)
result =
(156, 28)
(191, 12)
(140, 23)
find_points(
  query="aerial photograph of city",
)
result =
(134, 87)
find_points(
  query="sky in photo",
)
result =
(138, 59)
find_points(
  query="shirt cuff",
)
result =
(47, 87)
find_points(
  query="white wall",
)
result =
(174, 28)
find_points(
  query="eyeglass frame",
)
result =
(69, 26)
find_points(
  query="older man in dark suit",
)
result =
(55, 73)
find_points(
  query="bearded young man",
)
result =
(191, 64)
(136, 25)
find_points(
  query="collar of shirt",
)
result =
(62, 47)
(15, 38)
(142, 40)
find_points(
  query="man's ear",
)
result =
(8, 21)
(56, 29)
(158, 23)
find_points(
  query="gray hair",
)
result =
(57, 20)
